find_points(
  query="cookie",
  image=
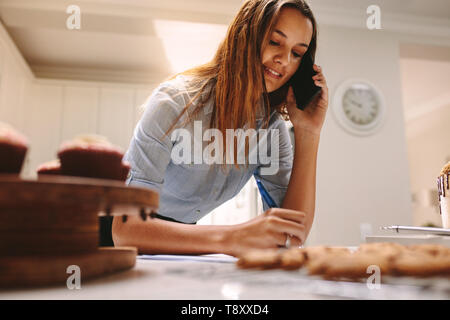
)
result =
(349, 265)
(434, 250)
(417, 263)
(339, 263)
(388, 248)
(260, 259)
(292, 259)
(312, 253)
(319, 258)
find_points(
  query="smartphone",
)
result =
(302, 83)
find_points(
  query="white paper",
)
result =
(222, 258)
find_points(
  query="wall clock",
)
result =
(359, 107)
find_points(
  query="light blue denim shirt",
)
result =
(188, 191)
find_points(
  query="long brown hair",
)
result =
(236, 73)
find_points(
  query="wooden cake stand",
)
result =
(49, 224)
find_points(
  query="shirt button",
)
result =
(198, 210)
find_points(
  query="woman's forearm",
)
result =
(163, 237)
(301, 193)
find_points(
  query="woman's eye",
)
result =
(296, 55)
(273, 43)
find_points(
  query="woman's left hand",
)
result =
(312, 117)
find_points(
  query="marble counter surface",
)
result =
(215, 277)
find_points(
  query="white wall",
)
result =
(426, 91)
(361, 179)
(428, 150)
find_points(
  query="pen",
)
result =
(270, 202)
(426, 230)
(265, 195)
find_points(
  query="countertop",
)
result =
(216, 277)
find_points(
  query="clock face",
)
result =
(360, 104)
(359, 107)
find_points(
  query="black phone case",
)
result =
(302, 83)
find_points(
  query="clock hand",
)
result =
(356, 103)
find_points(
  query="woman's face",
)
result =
(287, 44)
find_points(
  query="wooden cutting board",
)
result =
(67, 192)
(59, 214)
(49, 224)
(38, 270)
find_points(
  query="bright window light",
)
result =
(189, 44)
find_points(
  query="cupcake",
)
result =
(92, 156)
(13, 148)
(444, 195)
(52, 167)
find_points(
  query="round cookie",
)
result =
(423, 264)
(260, 259)
(292, 259)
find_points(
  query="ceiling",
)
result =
(436, 9)
(130, 40)
(134, 40)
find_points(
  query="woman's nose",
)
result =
(283, 58)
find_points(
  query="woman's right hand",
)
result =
(269, 230)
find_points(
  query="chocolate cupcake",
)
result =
(92, 156)
(52, 167)
(13, 148)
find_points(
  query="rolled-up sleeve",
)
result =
(150, 149)
(276, 184)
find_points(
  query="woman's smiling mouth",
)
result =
(272, 73)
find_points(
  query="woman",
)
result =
(244, 86)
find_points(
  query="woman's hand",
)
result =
(312, 117)
(269, 230)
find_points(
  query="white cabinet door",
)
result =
(12, 92)
(42, 124)
(80, 108)
(116, 115)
